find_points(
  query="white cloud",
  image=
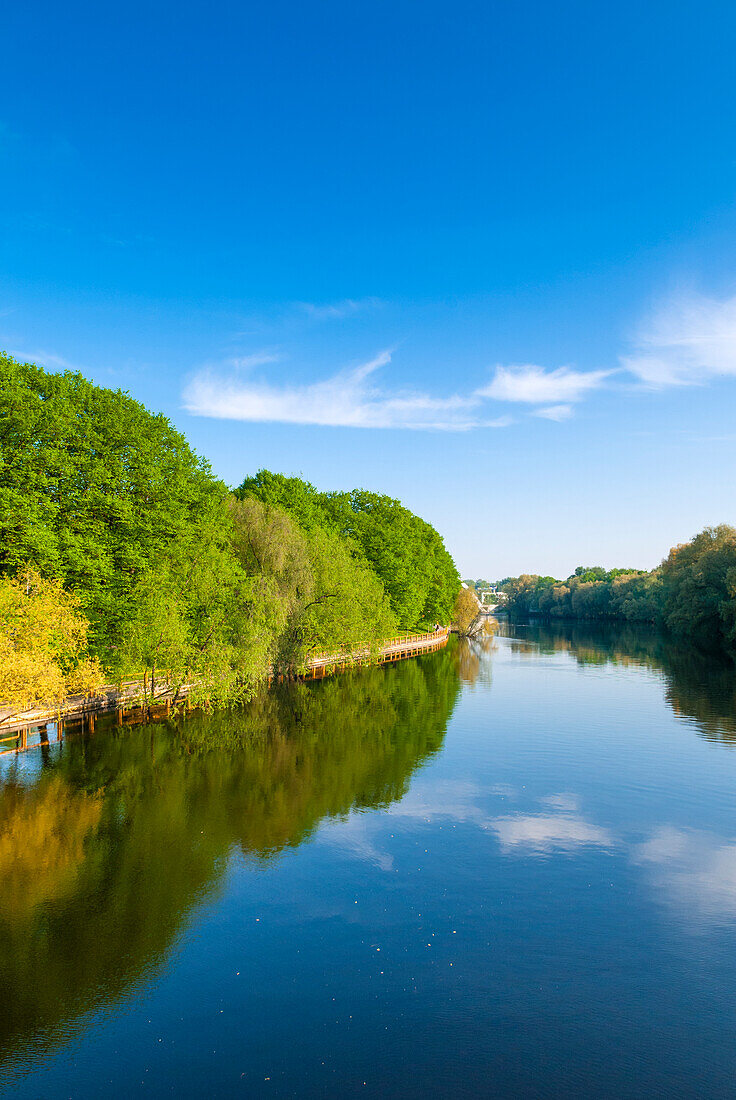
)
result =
(536, 386)
(688, 341)
(348, 399)
(555, 412)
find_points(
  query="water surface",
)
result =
(502, 871)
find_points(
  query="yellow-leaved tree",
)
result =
(43, 643)
(467, 615)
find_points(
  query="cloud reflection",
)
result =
(692, 872)
(352, 837)
(695, 870)
(549, 832)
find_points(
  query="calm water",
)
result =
(501, 872)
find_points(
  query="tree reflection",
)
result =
(698, 687)
(105, 852)
(470, 656)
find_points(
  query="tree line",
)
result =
(692, 594)
(122, 555)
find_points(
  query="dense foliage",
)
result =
(405, 552)
(43, 640)
(692, 593)
(174, 576)
(94, 488)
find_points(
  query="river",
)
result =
(505, 869)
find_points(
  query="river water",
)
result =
(500, 870)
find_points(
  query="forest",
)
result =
(122, 555)
(692, 594)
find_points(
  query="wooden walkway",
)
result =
(33, 728)
(395, 649)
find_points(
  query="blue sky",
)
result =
(481, 257)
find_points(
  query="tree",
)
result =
(524, 593)
(94, 490)
(175, 579)
(43, 643)
(320, 596)
(700, 593)
(204, 621)
(346, 608)
(467, 615)
(406, 554)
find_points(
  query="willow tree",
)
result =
(468, 617)
(316, 595)
(405, 553)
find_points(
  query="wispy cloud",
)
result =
(46, 359)
(336, 311)
(536, 386)
(255, 359)
(555, 412)
(350, 398)
(687, 341)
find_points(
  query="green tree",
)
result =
(319, 596)
(94, 490)
(700, 588)
(406, 554)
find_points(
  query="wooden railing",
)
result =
(404, 645)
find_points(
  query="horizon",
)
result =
(480, 263)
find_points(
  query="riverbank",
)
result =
(133, 695)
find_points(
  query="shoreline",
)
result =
(130, 695)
